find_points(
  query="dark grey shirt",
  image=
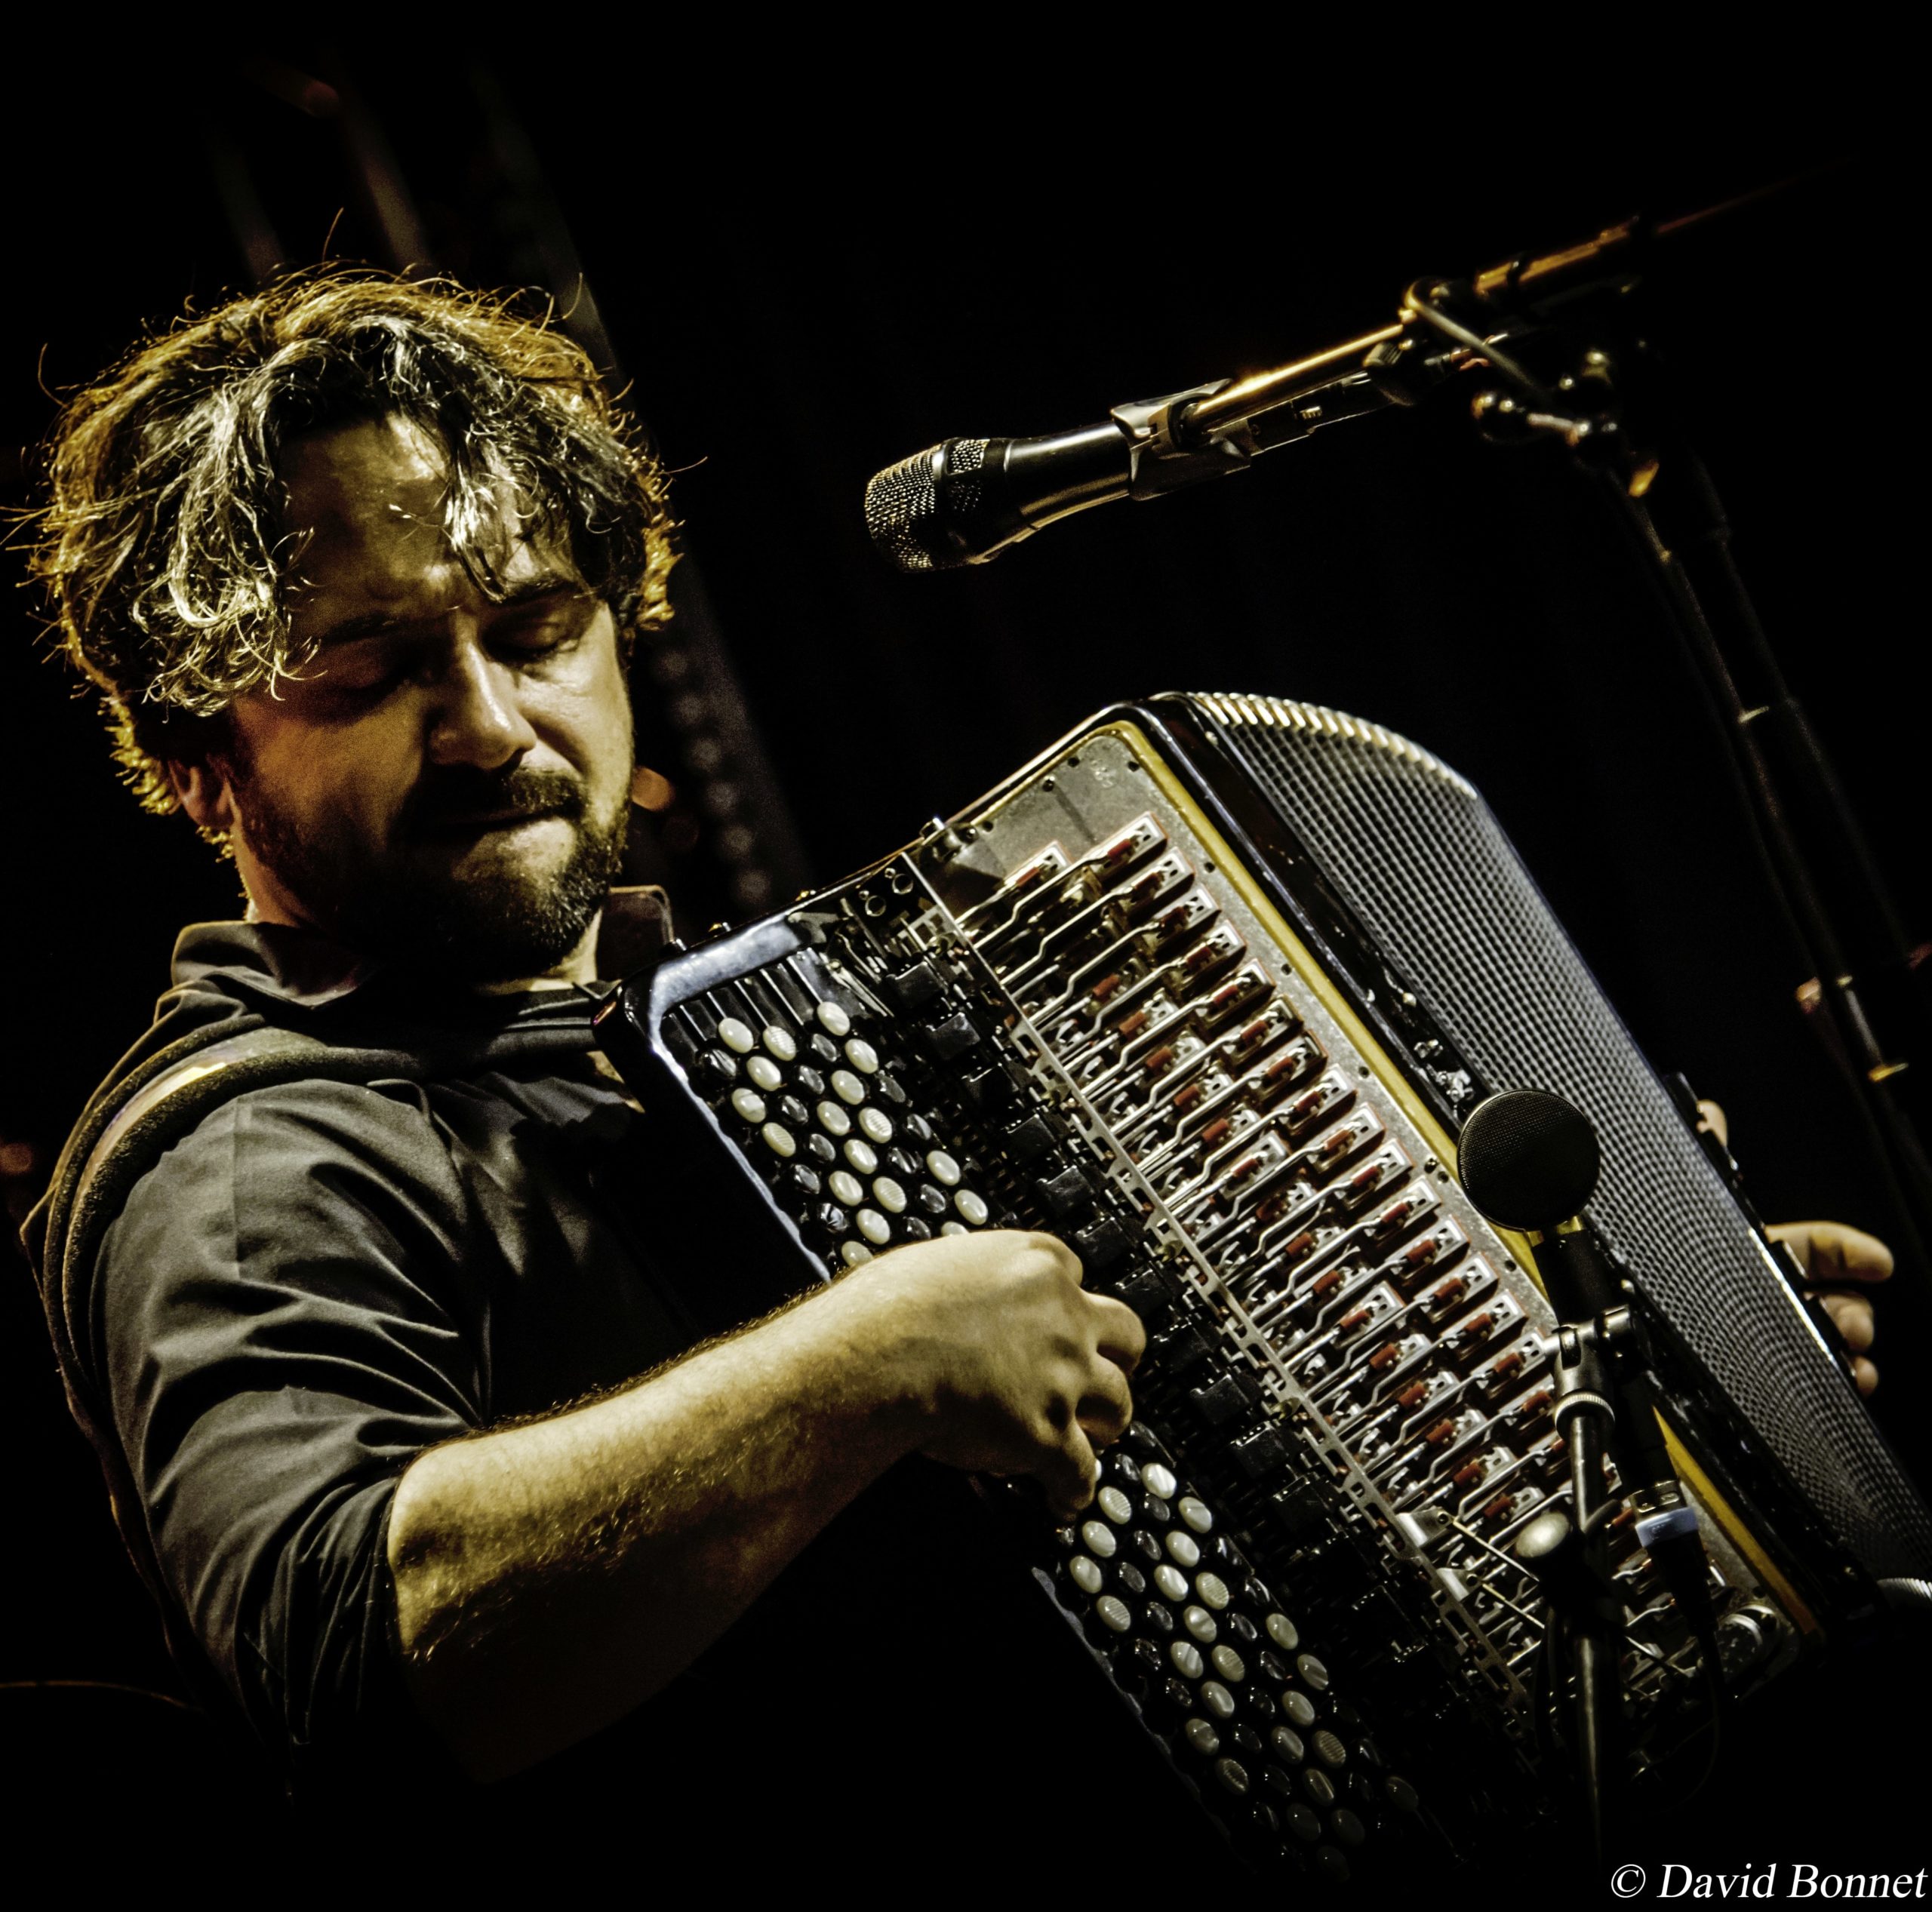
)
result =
(323, 1278)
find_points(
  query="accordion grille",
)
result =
(1416, 854)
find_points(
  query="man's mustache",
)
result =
(451, 799)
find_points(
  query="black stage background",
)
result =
(806, 281)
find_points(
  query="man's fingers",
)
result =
(1070, 1263)
(1711, 1117)
(1122, 1337)
(1830, 1252)
(1068, 1472)
(1864, 1376)
(1107, 1406)
(1851, 1315)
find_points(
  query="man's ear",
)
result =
(205, 793)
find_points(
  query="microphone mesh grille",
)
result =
(903, 515)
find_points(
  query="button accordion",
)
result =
(1207, 991)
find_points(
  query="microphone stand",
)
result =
(1569, 1558)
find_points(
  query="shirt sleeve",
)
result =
(284, 1314)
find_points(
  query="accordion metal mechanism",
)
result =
(1207, 989)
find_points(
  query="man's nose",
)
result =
(477, 719)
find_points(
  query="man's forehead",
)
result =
(368, 503)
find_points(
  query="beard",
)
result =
(437, 895)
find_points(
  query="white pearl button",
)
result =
(847, 1087)
(854, 1252)
(859, 1154)
(874, 1227)
(1298, 1707)
(1171, 1581)
(876, 1124)
(733, 1035)
(834, 1120)
(1113, 1613)
(748, 1106)
(1159, 1481)
(765, 1072)
(782, 1043)
(1217, 1699)
(1085, 1574)
(1114, 1506)
(1200, 1622)
(1184, 1548)
(833, 1020)
(862, 1056)
(943, 1169)
(1099, 1539)
(889, 1195)
(1195, 1513)
(1201, 1737)
(846, 1187)
(1213, 1589)
(1228, 1663)
(778, 1139)
(952, 1228)
(970, 1207)
(1283, 1631)
(1186, 1657)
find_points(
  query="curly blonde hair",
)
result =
(162, 547)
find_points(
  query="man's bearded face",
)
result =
(448, 783)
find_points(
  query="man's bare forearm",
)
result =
(550, 1577)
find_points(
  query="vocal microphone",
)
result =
(964, 502)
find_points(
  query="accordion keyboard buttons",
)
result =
(876, 1125)
(972, 1207)
(1282, 1631)
(779, 1140)
(833, 1020)
(861, 1155)
(847, 1187)
(943, 1169)
(1186, 1657)
(1114, 1506)
(1185, 1548)
(847, 1087)
(781, 1043)
(834, 1120)
(852, 1253)
(765, 1073)
(1159, 1481)
(1099, 1539)
(736, 1036)
(1298, 1707)
(748, 1105)
(1195, 1513)
(1171, 1582)
(873, 1226)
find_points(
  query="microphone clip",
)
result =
(1159, 462)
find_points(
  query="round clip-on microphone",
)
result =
(1529, 1160)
